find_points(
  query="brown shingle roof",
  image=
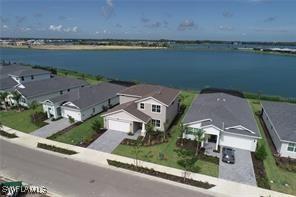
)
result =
(130, 107)
(163, 94)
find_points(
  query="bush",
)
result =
(56, 149)
(96, 125)
(8, 135)
(71, 119)
(261, 153)
(38, 117)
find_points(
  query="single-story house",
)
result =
(140, 104)
(42, 90)
(226, 120)
(83, 103)
(280, 121)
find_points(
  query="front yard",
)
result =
(170, 157)
(82, 133)
(277, 177)
(19, 120)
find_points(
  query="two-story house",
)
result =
(140, 104)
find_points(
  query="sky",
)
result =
(245, 20)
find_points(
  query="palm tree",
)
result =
(16, 96)
(34, 106)
(199, 138)
(3, 96)
(183, 129)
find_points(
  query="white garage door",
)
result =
(119, 125)
(238, 142)
(74, 114)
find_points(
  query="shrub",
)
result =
(71, 119)
(7, 135)
(96, 125)
(261, 153)
(56, 149)
(38, 117)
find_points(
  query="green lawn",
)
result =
(151, 154)
(279, 176)
(19, 120)
(81, 133)
(72, 74)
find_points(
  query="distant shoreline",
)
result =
(83, 47)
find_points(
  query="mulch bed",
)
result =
(56, 149)
(8, 135)
(261, 178)
(163, 175)
(191, 145)
(288, 164)
(95, 136)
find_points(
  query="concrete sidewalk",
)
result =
(222, 188)
(52, 128)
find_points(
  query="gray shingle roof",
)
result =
(49, 86)
(130, 107)
(163, 94)
(224, 110)
(7, 83)
(283, 118)
(90, 95)
(20, 70)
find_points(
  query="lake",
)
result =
(181, 68)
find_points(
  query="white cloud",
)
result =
(25, 29)
(55, 27)
(69, 29)
(225, 28)
(108, 9)
(4, 26)
(75, 29)
(186, 24)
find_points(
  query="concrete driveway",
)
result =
(52, 128)
(108, 141)
(241, 171)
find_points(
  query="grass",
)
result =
(19, 120)
(73, 74)
(79, 134)
(279, 176)
(151, 153)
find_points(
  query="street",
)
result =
(72, 178)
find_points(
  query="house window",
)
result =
(156, 123)
(23, 78)
(142, 106)
(32, 77)
(156, 108)
(292, 147)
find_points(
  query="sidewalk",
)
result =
(222, 188)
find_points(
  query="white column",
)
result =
(143, 131)
(217, 142)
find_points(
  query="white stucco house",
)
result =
(140, 104)
(83, 103)
(280, 121)
(226, 120)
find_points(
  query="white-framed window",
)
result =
(142, 106)
(156, 108)
(156, 123)
(292, 147)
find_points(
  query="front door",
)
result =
(212, 138)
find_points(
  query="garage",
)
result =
(238, 141)
(72, 113)
(118, 125)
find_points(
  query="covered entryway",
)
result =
(119, 125)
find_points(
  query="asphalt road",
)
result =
(72, 178)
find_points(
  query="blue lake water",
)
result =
(189, 69)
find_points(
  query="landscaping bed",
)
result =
(163, 175)
(8, 135)
(191, 145)
(95, 136)
(261, 177)
(56, 149)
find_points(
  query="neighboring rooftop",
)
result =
(20, 70)
(283, 118)
(7, 83)
(224, 110)
(48, 86)
(131, 108)
(163, 94)
(90, 95)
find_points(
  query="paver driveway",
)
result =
(108, 141)
(52, 128)
(241, 171)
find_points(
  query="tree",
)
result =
(34, 106)
(150, 130)
(261, 153)
(16, 96)
(96, 125)
(198, 137)
(137, 150)
(3, 96)
(183, 129)
(187, 161)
